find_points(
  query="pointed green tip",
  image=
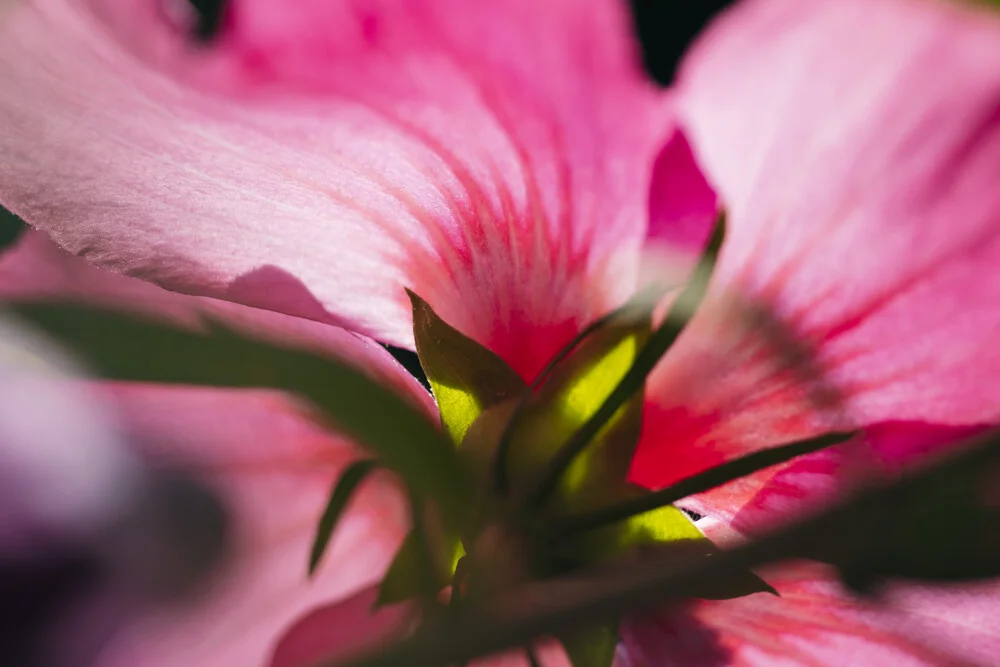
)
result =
(415, 300)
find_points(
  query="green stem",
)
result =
(698, 483)
(657, 345)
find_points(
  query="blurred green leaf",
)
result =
(592, 646)
(123, 348)
(342, 492)
(945, 528)
(466, 378)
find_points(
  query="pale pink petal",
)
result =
(817, 623)
(855, 145)
(494, 157)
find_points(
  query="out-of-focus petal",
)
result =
(319, 157)
(63, 480)
(855, 146)
(340, 629)
(272, 467)
(334, 632)
(274, 472)
(816, 622)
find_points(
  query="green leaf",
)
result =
(466, 378)
(406, 577)
(593, 646)
(343, 489)
(122, 348)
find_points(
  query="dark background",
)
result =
(667, 27)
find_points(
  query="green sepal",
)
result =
(593, 646)
(668, 530)
(575, 390)
(120, 347)
(406, 579)
(343, 490)
(466, 378)
(629, 386)
(665, 532)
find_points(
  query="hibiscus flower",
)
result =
(299, 171)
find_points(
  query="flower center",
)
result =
(545, 456)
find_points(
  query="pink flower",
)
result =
(508, 163)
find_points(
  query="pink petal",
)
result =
(339, 630)
(816, 622)
(494, 157)
(273, 467)
(333, 632)
(855, 145)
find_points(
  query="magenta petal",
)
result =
(321, 156)
(855, 145)
(682, 205)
